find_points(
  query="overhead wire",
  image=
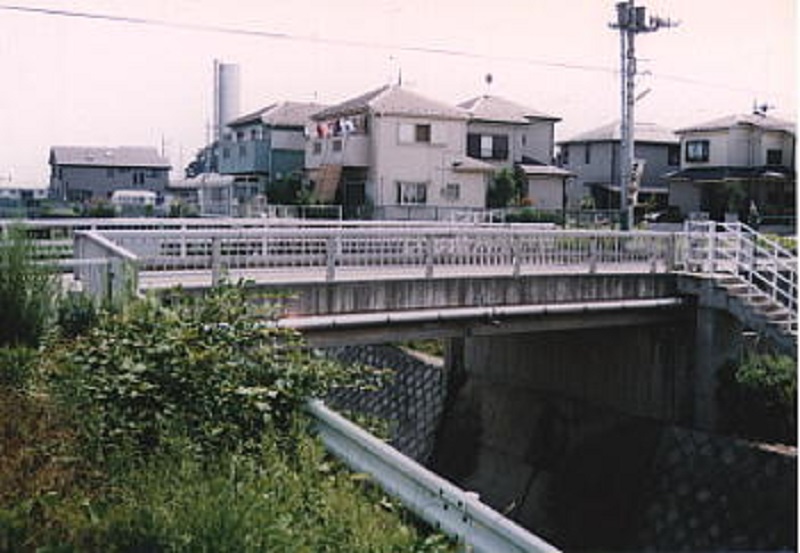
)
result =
(276, 35)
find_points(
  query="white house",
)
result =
(396, 154)
(733, 164)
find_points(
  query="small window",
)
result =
(239, 136)
(336, 146)
(587, 154)
(226, 153)
(774, 157)
(452, 191)
(697, 150)
(254, 134)
(317, 148)
(242, 151)
(565, 155)
(422, 133)
(412, 193)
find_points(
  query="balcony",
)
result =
(347, 150)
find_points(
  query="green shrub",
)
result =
(27, 291)
(759, 397)
(75, 315)
(212, 370)
(16, 367)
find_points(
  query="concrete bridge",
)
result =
(640, 322)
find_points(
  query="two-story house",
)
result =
(264, 147)
(80, 174)
(508, 135)
(593, 157)
(735, 165)
(396, 154)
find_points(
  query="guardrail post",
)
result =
(330, 258)
(593, 255)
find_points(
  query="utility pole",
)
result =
(631, 20)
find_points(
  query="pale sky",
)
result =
(94, 82)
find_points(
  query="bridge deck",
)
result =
(196, 279)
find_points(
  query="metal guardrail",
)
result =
(736, 250)
(445, 506)
(433, 248)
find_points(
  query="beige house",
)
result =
(508, 135)
(735, 165)
(394, 154)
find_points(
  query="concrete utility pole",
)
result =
(631, 20)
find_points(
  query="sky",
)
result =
(148, 80)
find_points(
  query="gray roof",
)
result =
(124, 156)
(545, 170)
(392, 100)
(500, 110)
(752, 119)
(281, 114)
(643, 132)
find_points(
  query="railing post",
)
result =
(593, 255)
(429, 256)
(711, 248)
(330, 258)
(515, 256)
(216, 261)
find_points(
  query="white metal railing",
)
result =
(440, 503)
(509, 250)
(736, 250)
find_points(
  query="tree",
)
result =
(504, 190)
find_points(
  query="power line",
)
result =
(257, 33)
(275, 35)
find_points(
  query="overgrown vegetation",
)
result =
(759, 397)
(172, 427)
(27, 291)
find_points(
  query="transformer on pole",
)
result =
(631, 20)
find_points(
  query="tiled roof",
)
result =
(753, 119)
(643, 132)
(124, 156)
(392, 100)
(283, 114)
(500, 110)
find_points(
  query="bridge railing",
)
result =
(736, 250)
(509, 250)
(105, 270)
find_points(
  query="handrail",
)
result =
(766, 268)
(456, 512)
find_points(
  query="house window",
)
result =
(587, 154)
(317, 148)
(239, 136)
(254, 134)
(774, 157)
(412, 193)
(410, 133)
(422, 133)
(226, 153)
(697, 150)
(673, 154)
(242, 151)
(487, 146)
(565, 155)
(452, 191)
(336, 145)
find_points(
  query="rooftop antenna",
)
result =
(761, 109)
(488, 80)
